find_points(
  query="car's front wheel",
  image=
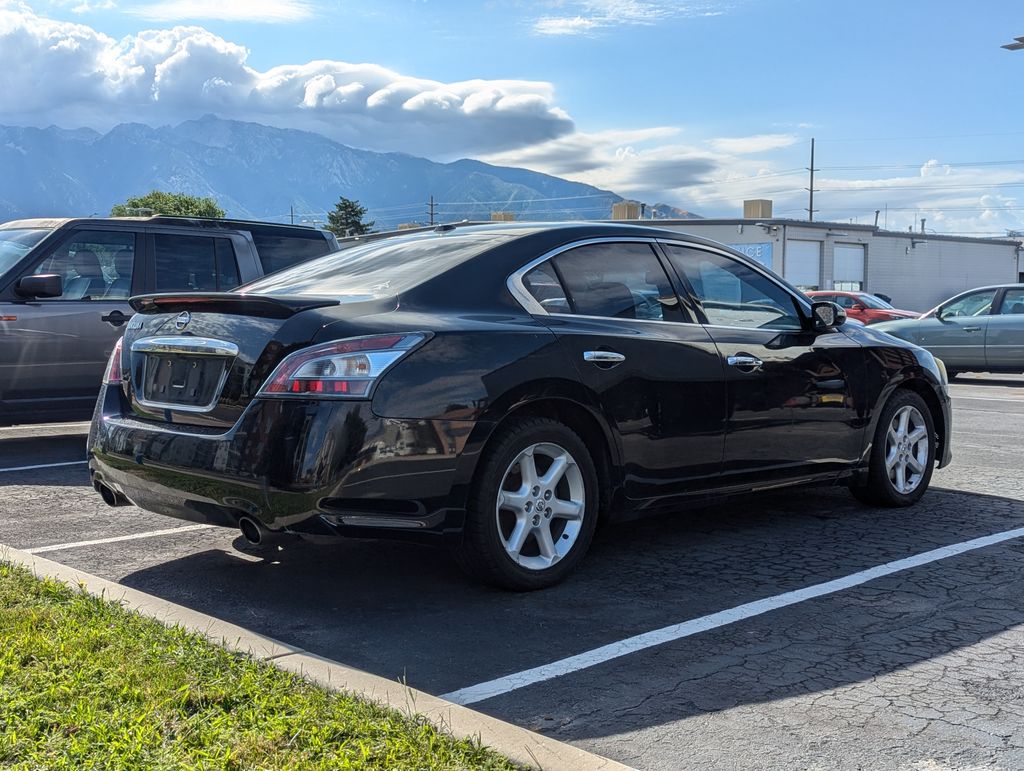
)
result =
(533, 507)
(902, 455)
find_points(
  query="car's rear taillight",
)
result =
(343, 369)
(113, 373)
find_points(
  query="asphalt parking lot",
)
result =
(918, 665)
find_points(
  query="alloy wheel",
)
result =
(906, 449)
(540, 506)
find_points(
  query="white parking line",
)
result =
(135, 536)
(482, 691)
(988, 398)
(44, 465)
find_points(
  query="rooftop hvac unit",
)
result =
(757, 209)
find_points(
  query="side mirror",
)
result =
(827, 315)
(43, 285)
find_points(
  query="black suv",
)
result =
(65, 284)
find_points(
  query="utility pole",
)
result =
(292, 212)
(810, 190)
(430, 209)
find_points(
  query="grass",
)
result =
(87, 684)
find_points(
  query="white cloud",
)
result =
(268, 11)
(564, 25)
(586, 17)
(758, 143)
(160, 76)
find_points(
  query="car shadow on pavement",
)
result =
(403, 611)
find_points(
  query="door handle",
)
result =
(972, 329)
(603, 357)
(116, 318)
(745, 361)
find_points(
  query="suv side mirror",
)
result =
(42, 285)
(827, 315)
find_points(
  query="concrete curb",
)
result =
(521, 745)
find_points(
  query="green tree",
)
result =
(347, 218)
(173, 204)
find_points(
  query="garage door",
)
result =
(849, 267)
(803, 264)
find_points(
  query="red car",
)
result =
(864, 307)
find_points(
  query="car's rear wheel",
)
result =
(902, 455)
(533, 507)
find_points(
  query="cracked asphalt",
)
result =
(921, 669)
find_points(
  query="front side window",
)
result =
(974, 304)
(845, 301)
(94, 265)
(733, 294)
(1013, 303)
(617, 280)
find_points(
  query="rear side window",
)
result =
(195, 263)
(1013, 302)
(620, 281)
(282, 251)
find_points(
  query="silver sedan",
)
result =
(979, 330)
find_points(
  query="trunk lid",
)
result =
(198, 359)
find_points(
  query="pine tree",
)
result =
(347, 218)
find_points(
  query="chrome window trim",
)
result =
(194, 346)
(624, 321)
(519, 291)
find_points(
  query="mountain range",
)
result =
(265, 173)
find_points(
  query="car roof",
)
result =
(571, 230)
(156, 219)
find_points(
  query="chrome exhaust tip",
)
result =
(110, 497)
(251, 530)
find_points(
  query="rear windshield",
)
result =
(874, 302)
(15, 244)
(378, 269)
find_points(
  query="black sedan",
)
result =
(503, 390)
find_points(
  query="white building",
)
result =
(917, 270)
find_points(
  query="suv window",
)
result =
(282, 251)
(94, 265)
(623, 281)
(733, 294)
(196, 263)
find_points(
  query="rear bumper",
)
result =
(327, 468)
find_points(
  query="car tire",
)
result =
(902, 454)
(526, 529)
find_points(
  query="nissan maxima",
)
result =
(504, 390)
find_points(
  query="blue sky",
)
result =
(915, 107)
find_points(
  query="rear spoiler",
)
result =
(238, 304)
